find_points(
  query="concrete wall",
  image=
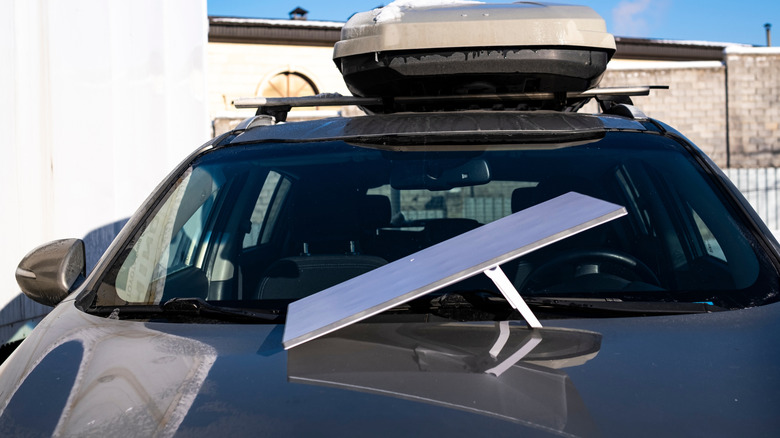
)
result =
(754, 106)
(730, 109)
(99, 101)
(694, 104)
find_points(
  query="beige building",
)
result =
(723, 96)
(270, 58)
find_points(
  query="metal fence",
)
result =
(486, 210)
(760, 186)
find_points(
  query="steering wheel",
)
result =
(598, 261)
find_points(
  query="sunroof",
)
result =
(478, 251)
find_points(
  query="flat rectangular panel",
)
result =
(443, 264)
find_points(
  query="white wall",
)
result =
(99, 99)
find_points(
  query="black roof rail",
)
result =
(278, 107)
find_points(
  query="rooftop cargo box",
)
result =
(459, 48)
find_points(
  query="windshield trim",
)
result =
(540, 126)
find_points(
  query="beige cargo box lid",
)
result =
(425, 24)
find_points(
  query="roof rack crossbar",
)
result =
(335, 99)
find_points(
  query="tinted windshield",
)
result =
(277, 222)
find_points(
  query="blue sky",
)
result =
(713, 20)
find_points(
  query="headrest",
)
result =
(522, 198)
(326, 215)
(375, 212)
(298, 277)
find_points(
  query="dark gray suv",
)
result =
(471, 257)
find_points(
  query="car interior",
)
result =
(276, 229)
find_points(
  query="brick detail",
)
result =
(754, 109)
(696, 105)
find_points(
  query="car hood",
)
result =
(705, 374)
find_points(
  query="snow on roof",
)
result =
(396, 9)
(753, 50)
(661, 65)
(681, 42)
(278, 22)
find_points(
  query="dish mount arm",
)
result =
(511, 294)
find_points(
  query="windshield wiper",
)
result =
(190, 308)
(199, 307)
(618, 306)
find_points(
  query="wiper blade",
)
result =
(199, 307)
(618, 306)
(188, 308)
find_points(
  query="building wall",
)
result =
(754, 106)
(730, 109)
(238, 70)
(694, 104)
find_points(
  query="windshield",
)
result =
(263, 225)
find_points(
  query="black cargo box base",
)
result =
(473, 71)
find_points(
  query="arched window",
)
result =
(287, 84)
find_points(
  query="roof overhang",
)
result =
(327, 33)
(282, 32)
(669, 50)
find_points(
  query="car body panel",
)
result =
(652, 376)
(698, 374)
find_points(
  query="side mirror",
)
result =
(47, 273)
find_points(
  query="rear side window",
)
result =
(708, 240)
(266, 209)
